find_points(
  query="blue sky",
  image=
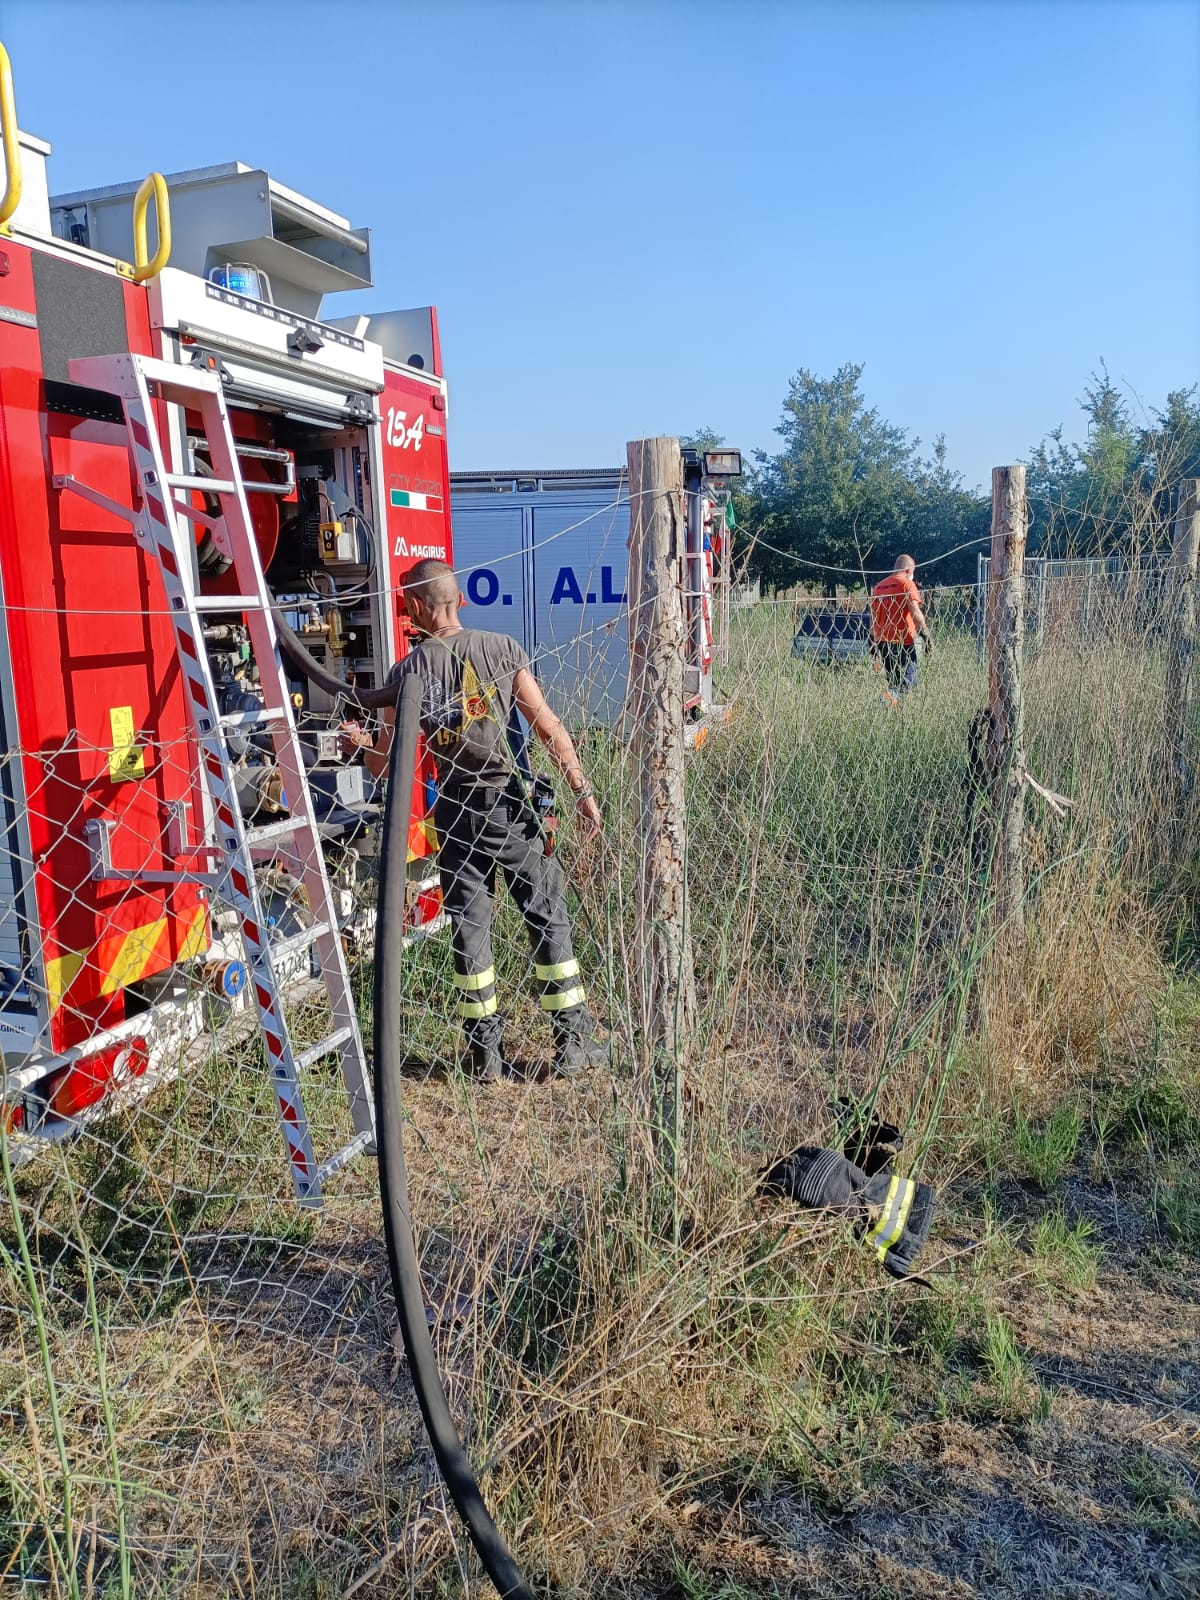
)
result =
(637, 219)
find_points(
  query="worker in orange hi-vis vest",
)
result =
(898, 627)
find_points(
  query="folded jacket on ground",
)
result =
(893, 1214)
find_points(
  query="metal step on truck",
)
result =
(195, 451)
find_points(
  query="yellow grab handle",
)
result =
(13, 180)
(143, 266)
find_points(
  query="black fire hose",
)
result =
(292, 647)
(393, 1178)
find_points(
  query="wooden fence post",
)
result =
(1006, 709)
(664, 982)
(1181, 689)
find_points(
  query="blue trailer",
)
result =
(544, 556)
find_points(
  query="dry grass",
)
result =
(682, 1391)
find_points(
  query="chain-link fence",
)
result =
(200, 1389)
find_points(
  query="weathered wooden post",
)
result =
(1006, 710)
(1181, 689)
(664, 980)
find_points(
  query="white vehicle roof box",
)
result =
(231, 213)
(33, 213)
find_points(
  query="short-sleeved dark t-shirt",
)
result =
(466, 703)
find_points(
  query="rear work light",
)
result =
(74, 1088)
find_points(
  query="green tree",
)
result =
(1174, 444)
(1171, 453)
(835, 494)
(1098, 497)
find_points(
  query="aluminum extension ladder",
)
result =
(160, 526)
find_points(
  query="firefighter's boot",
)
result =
(577, 1049)
(483, 1060)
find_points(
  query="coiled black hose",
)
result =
(393, 1177)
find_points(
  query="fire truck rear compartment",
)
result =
(309, 494)
(93, 708)
(310, 499)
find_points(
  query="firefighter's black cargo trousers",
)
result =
(479, 830)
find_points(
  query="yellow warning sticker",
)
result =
(126, 759)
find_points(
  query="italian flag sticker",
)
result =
(416, 502)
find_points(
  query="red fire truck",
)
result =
(187, 440)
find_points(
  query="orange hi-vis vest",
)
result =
(891, 620)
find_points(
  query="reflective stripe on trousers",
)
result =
(559, 985)
(480, 831)
(893, 1216)
(478, 993)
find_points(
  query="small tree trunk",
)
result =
(664, 982)
(1006, 707)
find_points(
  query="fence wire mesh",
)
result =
(200, 1389)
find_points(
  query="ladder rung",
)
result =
(116, 375)
(193, 480)
(229, 602)
(326, 1047)
(298, 941)
(273, 830)
(253, 719)
(359, 1143)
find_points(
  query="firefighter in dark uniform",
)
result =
(470, 682)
